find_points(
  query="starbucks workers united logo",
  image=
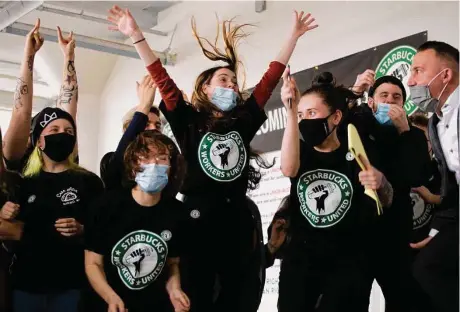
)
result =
(325, 197)
(139, 257)
(397, 63)
(222, 156)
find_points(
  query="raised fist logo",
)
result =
(136, 258)
(401, 71)
(320, 193)
(222, 150)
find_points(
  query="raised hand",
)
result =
(364, 81)
(146, 91)
(9, 211)
(123, 21)
(289, 90)
(67, 44)
(33, 40)
(302, 24)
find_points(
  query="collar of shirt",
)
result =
(450, 106)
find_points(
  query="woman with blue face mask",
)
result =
(330, 216)
(214, 132)
(135, 237)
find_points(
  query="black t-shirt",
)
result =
(218, 157)
(329, 211)
(45, 259)
(135, 242)
(422, 211)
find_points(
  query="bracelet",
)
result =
(143, 39)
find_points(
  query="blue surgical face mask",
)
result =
(382, 114)
(153, 178)
(224, 98)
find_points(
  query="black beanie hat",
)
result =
(42, 119)
(388, 79)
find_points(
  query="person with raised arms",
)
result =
(325, 263)
(214, 132)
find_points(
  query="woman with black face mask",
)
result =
(329, 212)
(48, 271)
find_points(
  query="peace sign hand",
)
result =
(123, 21)
(33, 40)
(302, 24)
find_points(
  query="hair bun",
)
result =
(324, 79)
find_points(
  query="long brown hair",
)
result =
(231, 35)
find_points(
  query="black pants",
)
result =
(339, 281)
(222, 245)
(436, 269)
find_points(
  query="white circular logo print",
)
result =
(31, 199)
(325, 197)
(422, 211)
(397, 63)
(222, 156)
(139, 257)
(166, 235)
(195, 214)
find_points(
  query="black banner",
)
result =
(393, 58)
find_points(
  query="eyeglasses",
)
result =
(159, 159)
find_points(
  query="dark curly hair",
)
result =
(142, 147)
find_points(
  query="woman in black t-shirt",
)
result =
(134, 240)
(329, 210)
(214, 132)
(48, 271)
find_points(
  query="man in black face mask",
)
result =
(404, 155)
(434, 87)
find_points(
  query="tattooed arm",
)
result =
(68, 96)
(385, 193)
(17, 135)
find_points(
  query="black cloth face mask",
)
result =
(59, 146)
(315, 131)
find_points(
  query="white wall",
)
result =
(345, 28)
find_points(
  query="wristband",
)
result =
(143, 39)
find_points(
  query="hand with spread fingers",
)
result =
(9, 211)
(68, 227)
(302, 24)
(398, 115)
(34, 41)
(364, 81)
(67, 44)
(123, 21)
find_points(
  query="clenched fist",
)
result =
(9, 211)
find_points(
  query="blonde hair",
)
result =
(35, 163)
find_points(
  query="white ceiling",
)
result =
(48, 69)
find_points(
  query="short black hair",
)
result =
(155, 111)
(391, 80)
(442, 49)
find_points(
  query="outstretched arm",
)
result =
(263, 90)
(17, 135)
(68, 96)
(124, 22)
(290, 146)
